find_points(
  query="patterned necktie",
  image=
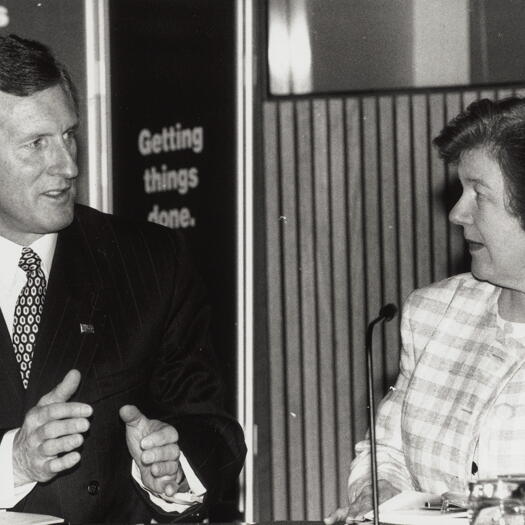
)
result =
(28, 311)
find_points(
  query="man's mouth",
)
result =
(57, 193)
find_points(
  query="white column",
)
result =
(98, 105)
(245, 49)
(441, 42)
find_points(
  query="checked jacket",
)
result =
(457, 363)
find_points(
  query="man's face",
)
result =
(38, 167)
(494, 235)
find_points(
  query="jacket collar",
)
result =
(72, 322)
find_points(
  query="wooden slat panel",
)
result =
(310, 370)
(420, 147)
(275, 314)
(373, 277)
(362, 198)
(342, 383)
(324, 300)
(438, 189)
(405, 199)
(293, 357)
(356, 241)
(389, 236)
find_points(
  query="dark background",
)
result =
(173, 61)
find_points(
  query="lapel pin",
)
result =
(87, 328)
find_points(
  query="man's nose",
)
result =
(64, 161)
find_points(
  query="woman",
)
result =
(457, 411)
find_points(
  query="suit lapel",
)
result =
(72, 300)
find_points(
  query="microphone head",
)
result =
(388, 312)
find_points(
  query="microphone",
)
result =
(386, 313)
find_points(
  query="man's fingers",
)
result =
(165, 468)
(59, 411)
(170, 489)
(165, 435)
(160, 484)
(64, 390)
(131, 415)
(54, 447)
(56, 429)
(63, 462)
(165, 453)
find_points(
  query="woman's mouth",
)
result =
(474, 246)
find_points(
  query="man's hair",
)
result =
(497, 128)
(27, 66)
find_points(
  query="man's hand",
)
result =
(362, 504)
(52, 431)
(153, 446)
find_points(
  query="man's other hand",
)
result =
(362, 504)
(153, 446)
(52, 430)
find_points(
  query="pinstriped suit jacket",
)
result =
(455, 362)
(150, 347)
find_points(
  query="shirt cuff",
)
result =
(180, 501)
(9, 494)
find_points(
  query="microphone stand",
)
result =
(387, 313)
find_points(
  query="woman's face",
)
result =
(495, 238)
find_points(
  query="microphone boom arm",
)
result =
(387, 313)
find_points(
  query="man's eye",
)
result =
(69, 135)
(36, 144)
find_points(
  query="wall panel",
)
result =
(308, 311)
(356, 216)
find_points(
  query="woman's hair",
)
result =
(497, 128)
(27, 67)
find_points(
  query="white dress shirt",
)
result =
(12, 280)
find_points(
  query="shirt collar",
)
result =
(44, 247)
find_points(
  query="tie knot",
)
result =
(29, 260)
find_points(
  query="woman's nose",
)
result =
(460, 213)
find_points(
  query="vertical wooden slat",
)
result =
(310, 370)
(275, 314)
(324, 300)
(294, 410)
(405, 192)
(504, 93)
(422, 188)
(373, 233)
(357, 266)
(456, 243)
(438, 188)
(389, 223)
(469, 96)
(342, 383)
(487, 93)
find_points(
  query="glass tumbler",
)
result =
(497, 501)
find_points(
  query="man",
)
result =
(109, 403)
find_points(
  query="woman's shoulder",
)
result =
(461, 283)
(463, 291)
